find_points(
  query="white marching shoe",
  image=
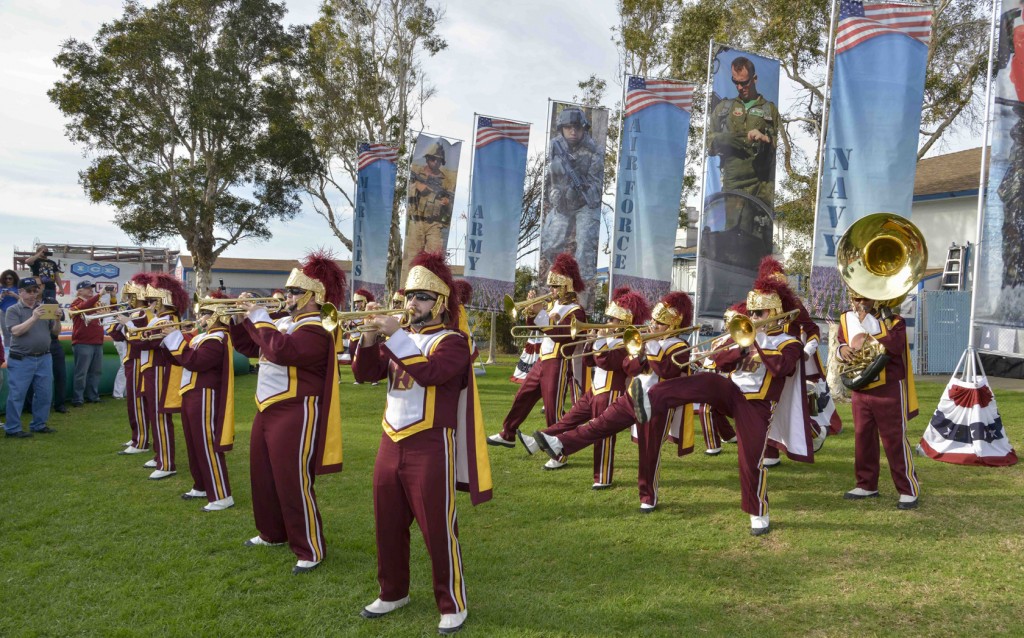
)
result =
(713, 451)
(771, 462)
(759, 525)
(528, 442)
(495, 439)
(150, 463)
(379, 607)
(220, 504)
(552, 464)
(161, 474)
(450, 623)
(131, 449)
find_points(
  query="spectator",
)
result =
(28, 365)
(8, 297)
(87, 344)
(47, 271)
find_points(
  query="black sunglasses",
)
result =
(419, 296)
(743, 83)
(295, 292)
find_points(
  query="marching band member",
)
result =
(713, 424)
(360, 298)
(883, 406)
(297, 430)
(555, 374)
(611, 371)
(535, 315)
(207, 405)
(162, 379)
(135, 360)
(433, 441)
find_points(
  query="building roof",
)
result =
(244, 264)
(947, 174)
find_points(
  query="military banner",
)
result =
(740, 141)
(652, 159)
(999, 288)
(375, 194)
(870, 153)
(573, 187)
(495, 208)
(433, 171)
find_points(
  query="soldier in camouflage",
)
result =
(431, 190)
(743, 134)
(572, 222)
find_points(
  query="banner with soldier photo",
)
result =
(999, 289)
(573, 186)
(740, 141)
(652, 159)
(433, 171)
(495, 209)
(375, 194)
(870, 154)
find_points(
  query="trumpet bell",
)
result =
(513, 307)
(882, 256)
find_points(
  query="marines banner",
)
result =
(433, 172)
(870, 153)
(999, 289)
(740, 141)
(573, 189)
(495, 208)
(652, 158)
(376, 166)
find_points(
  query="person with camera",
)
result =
(47, 271)
(29, 365)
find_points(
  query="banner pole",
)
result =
(826, 94)
(469, 200)
(983, 180)
(494, 336)
(615, 199)
(708, 89)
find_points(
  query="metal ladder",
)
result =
(952, 274)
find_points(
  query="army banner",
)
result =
(652, 159)
(870, 153)
(740, 141)
(376, 166)
(999, 287)
(433, 171)
(495, 208)
(573, 188)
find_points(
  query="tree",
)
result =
(529, 222)
(363, 82)
(188, 108)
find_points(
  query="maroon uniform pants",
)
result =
(751, 418)
(585, 408)
(138, 409)
(205, 463)
(282, 459)
(880, 414)
(715, 427)
(414, 479)
(161, 425)
(548, 380)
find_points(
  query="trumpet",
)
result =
(513, 307)
(97, 309)
(331, 318)
(633, 340)
(234, 306)
(143, 332)
(128, 313)
(742, 329)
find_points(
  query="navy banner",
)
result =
(496, 206)
(870, 154)
(375, 194)
(652, 159)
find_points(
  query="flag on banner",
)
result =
(496, 206)
(375, 194)
(573, 187)
(999, 287)
(870, 152)
(652, 159)
(738, 214)
(433, 172)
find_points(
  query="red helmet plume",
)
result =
(464, 291)
(566, 266)
(771, 267)
(173, 285)
(320, 265)
(682, 304)
(635, 304)
(365, 294)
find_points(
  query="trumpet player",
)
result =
(135, 361)
(555, 375)
(882, 407)
(207, 404)
(296, 433)
(87, 346)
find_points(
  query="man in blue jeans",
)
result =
(30, 363)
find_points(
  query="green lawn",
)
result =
(92, 548)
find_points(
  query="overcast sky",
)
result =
(503, 59)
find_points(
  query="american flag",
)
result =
(859, 22)
(370, 153)
(491, 129)
(644, 92)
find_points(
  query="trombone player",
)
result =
(135, 360)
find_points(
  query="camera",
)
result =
(48, 253)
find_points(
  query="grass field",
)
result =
(92, 548)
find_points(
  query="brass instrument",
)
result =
(633, 340)
(143, 332)
(97, 310)
(128, 313)
(880, 257)
(742, 329)
(331, 318)
(235, 306)
(575, 327)
(532, 331)
(513, 307)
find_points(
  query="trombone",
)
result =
(234, 306)
(513, 307)
(143, 332)
(128, 313)
(98, 309)
(532, 331)
(576, 327)
(633, 340)
(331, 318)
(742, 329)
